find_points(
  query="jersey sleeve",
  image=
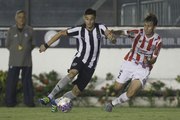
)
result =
(73, 32)
(102, 28)
(157, 48)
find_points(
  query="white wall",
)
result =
(167, 66)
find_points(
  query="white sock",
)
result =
(121, 99)
(57, 100)
(59, 86)
(69, 95)
(50, 96)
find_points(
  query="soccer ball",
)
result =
(64, 104)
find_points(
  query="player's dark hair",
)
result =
(151, 18)
(90, 11)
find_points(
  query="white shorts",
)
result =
(131, 71)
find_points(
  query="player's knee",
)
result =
(76, 90)
(130, 93)
(133, 89)
(72, 73)
(116, 89)
(117, 86)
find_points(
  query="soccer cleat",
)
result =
(45, 100)
(54, 108)
(108, 107)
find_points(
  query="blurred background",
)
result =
(48, 15)
(64, 13)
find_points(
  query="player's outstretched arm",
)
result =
(43, 47)
(125, 33)
(121, 33)
(118, 32)
(109, 34)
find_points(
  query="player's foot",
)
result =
(108, 107)
(54, 108)
(45, 100)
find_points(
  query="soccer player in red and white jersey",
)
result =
(139, 61)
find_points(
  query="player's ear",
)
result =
(154, 27)
(84, 17)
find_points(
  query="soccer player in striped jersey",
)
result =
(139, 61)
(88, 37)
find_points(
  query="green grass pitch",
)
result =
(90, 113)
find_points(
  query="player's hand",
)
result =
(131, 35)
(42, 48)
(113, 39)
(111, 36)
(146, 61)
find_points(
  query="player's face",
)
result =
(20, 19)
(89, 21)
(149, 28)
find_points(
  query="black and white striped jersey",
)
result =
(88, 42)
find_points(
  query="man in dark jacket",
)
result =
(20, 44)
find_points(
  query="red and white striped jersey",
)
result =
(143, 47)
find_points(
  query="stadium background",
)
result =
(45, 15)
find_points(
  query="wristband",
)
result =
(46, 45)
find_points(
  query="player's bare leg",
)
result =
(134, 87)
(118, 87)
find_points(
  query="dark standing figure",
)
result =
(20, 44)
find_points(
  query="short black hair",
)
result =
(90, 11)
(151, 18)
(20, 11)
